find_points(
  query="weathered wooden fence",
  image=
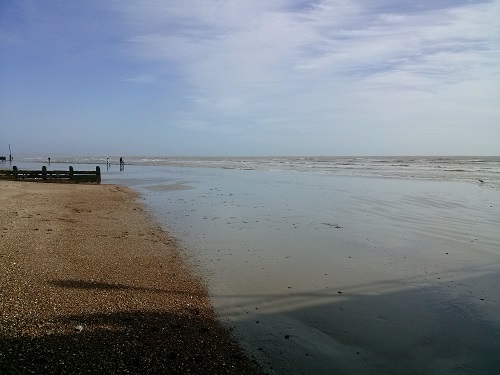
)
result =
(44, 175)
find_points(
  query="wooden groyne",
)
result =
(69, 176)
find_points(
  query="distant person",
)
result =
(121, 161)
(107, 161)
(49, 160)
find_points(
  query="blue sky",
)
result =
(226, 77)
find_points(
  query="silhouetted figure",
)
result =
(122, 164)
(48, 160)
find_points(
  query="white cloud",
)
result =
(269, 65)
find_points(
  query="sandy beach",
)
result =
(89, 284)
(310, 273)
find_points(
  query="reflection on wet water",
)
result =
(385, 268)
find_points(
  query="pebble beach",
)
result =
(90, 284)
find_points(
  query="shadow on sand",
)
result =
(145, 342)
(102, 286)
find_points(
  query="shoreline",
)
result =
(91, 283)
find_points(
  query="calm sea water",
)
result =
(322, 263)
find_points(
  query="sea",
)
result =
(454, 168)
(345, 264)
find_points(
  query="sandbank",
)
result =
(90, 283)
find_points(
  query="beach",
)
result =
(377, 266)
(90, 284)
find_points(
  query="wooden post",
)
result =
(14, 171)
(98, 173)
(70, 173)
(44, 173)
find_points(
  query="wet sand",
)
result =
(320, 274)
(89, 284)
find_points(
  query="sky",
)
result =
(250, 77)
